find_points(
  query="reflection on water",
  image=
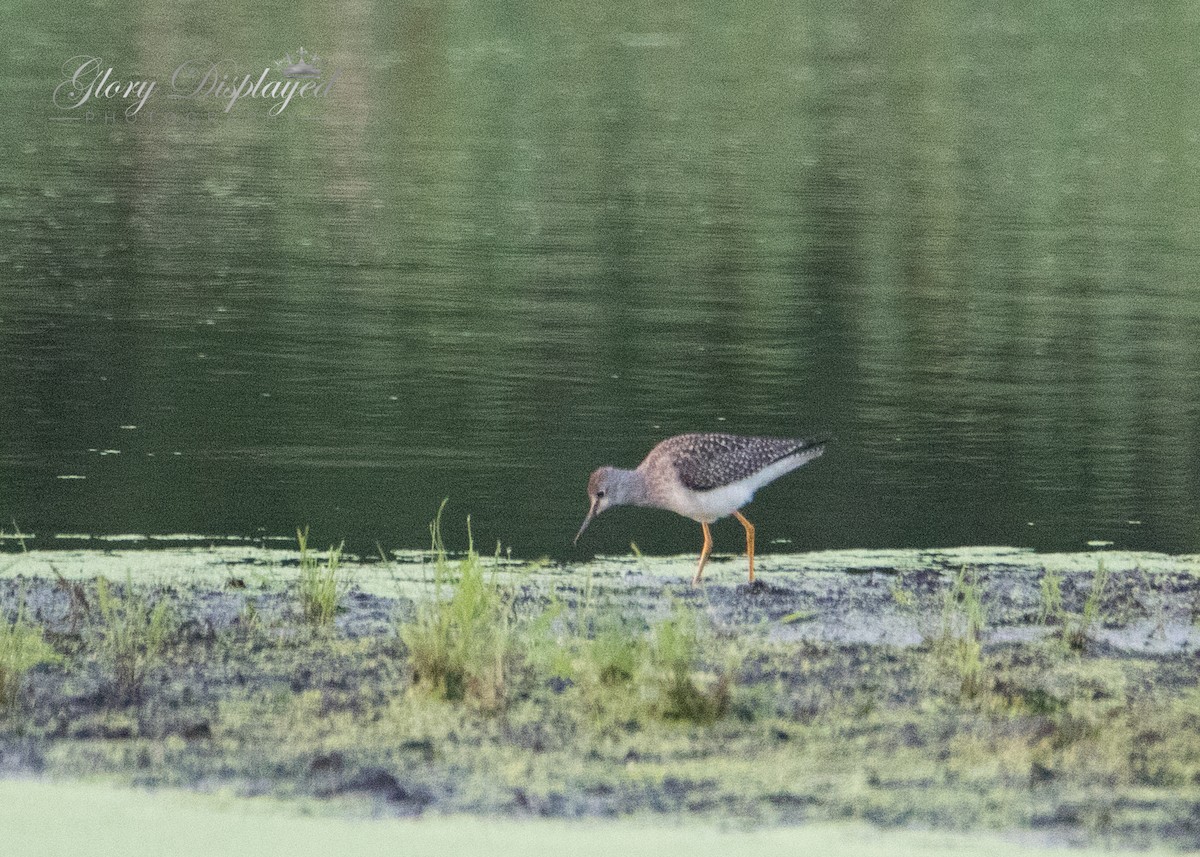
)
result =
(496, 258)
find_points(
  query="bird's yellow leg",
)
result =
(749, 541)
(704, 552)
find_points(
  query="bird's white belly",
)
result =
(708, 506)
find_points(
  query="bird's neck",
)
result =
(632, 488)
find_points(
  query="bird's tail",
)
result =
(808, 450)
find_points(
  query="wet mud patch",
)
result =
(973, 688)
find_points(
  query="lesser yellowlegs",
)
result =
(703, 477)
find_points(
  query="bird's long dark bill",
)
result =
(591, 514)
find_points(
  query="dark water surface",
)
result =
(510, 245)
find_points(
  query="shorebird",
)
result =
(702, 476)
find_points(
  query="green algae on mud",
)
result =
(841, 700)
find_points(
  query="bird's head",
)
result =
(605, 489)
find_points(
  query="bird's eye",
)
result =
(600, 493)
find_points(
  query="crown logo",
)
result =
(305, 66)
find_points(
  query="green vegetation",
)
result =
(486, 686)
(959, 645)
(321, 586)
(248, 618)
(22, 647)
(128, 634)
(1078, 629)
(615, 656)
(902, 596)
(461, 645)
(1050, 609)
(468, 643)
(1074, 629)
(674, 660)
(626, 673)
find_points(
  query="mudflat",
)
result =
(1051, 698)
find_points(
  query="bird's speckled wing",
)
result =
(707, 461)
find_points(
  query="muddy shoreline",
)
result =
(848, 691)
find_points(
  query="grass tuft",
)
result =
(627, 675)
(675, 650)
(129, 635)
(22, 647)
(460, 645)
(1050, 608)
(1079, 629)
(321, 586)
(617, 654)
(959, 646)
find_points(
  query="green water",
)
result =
(516, 242)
